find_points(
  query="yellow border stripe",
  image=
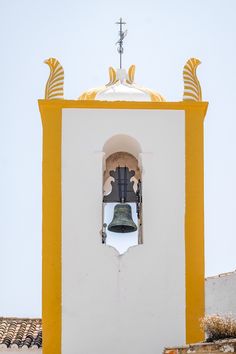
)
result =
(194, 223)
(122, 104)
(51, 112)
(51, 247)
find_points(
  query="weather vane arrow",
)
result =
(119, 43)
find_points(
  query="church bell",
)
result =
(123, 193)
(122, 220)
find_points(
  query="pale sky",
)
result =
(162, 35)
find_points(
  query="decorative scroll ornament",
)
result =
(131, 73)
(192, 88)
(92, 93)
(115, 81)
(55, 84)
(112, 77)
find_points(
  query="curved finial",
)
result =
(55, 84)
(192, 88)
(112, 76)
(131, 73)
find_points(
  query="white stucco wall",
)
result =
(220, 294)
(132, 303)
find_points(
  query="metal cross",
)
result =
(119, 43)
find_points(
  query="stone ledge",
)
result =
(219, 346)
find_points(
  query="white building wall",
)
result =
(220, 294)
(132, 303)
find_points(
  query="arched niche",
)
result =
(122, 142)
(122, 151)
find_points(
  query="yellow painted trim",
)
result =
(51, 242)
(194, 218)
(182, 105)
(194, 223)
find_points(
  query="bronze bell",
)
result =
(122, 220)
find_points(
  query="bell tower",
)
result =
(122, 162)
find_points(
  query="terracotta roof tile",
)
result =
(20, 332)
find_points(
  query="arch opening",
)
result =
(122, 193)
(122, 142)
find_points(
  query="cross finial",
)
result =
(119, 43)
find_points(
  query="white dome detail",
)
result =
(122, 92)
(121, 87)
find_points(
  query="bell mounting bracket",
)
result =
(122, 188)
